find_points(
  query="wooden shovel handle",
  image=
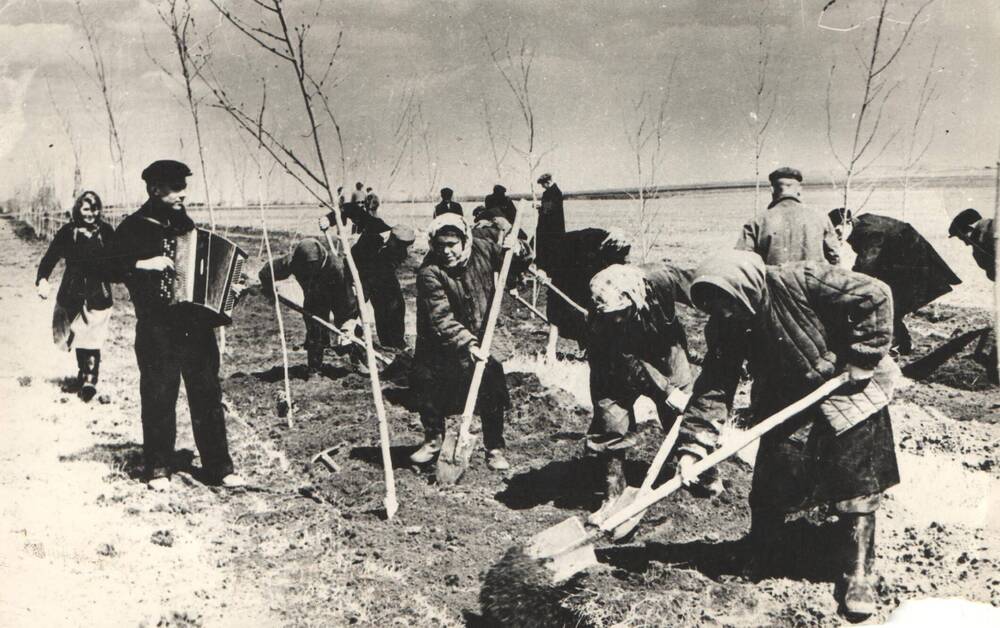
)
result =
(545, 281)
(491, 323)
(645, 501)
(354, 339)
(661, 456)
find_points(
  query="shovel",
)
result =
(631, 493)
(545, 281)
(567, 547)
(325, 323)
(457, 449)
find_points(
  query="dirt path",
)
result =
(305, 546)
(82, 542)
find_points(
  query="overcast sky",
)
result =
(593, 60)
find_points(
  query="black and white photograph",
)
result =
(499, 313)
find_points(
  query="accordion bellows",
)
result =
(206, 265)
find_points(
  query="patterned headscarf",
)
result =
(617, 287)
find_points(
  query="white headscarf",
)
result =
(453, 221)
(617, 287)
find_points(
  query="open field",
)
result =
(687, 227)
(305, 546)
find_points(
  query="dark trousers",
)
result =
(319, 303)
(165, 354)
(390, 311)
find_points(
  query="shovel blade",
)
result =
(456, 451)
(556, 545)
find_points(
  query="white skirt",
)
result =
(88, 330)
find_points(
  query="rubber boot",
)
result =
(433, 439)
(81, 366)
(91, 369)
(763, 543)
(858, 583)
(314, 361)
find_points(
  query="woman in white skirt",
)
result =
(83, 303)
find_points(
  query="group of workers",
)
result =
(780, 308)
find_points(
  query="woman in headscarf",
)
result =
(455, 286)
(83, 303)
(796, 326)
(636, 347)
(893, 251)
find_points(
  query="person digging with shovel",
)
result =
(797, 325)
(636, 347)
(455, 286)
(321, 275)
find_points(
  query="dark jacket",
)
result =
(891, 250)
(448, 207)
(811, 320)
(984, 246)
(791, 232)
(452, 307)
(503, 203)
(574, 258)
(321, 274)
(551, 225)
(141, 236)
(85, 280)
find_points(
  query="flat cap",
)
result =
(965, 219)
(165, 170)
(785, 173)
(545, 178)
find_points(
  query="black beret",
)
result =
(785, 173)
(164, 171)
(544, 178)
(965, 219)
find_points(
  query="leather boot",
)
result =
(91, 368)
(858, 583)
(81, 366)
(314, 362)
(428, 451)
(763, 543)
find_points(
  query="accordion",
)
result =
(206, 265)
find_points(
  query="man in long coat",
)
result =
(796, 326)
(790, 231)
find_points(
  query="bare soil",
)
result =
(305, 545)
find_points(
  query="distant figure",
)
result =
(893, 251)
(970, 227)
(325, 289)
(358, 195)
(490, 224)
(372, 201)
(447, 206)
(499, 200)
(341, 200)
(83, 303)
(789, 231)
(551, 219)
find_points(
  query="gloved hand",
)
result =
(684, 470)
(43, 288)
(477, 352)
